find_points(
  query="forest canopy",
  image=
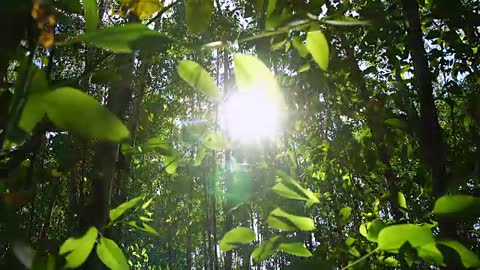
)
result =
(239, 134)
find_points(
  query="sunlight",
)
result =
(250, 116)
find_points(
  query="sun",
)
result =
(251, 116)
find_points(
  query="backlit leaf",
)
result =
(75, 111)
(34, 109)
(295, 248)
(235, 237)
(201, 152)
(78, 249)
(468, 258)
(288, 187)
(371, 229)
(391, 238)
(158, 145)
(456, 204)
(272, 4)
(430, 253)
(402, 202)
(251, 74)
(317, 45)
(348, 21)
(265, 249)
(142, 8)
(345, 214)
(197, 77)
(144, 227)
(120, 39)
(198, 14)
(111, 255)
(298, 44)
(171, 163)
(122, 208)
(147, 203)
(90, 9)
(281, 220)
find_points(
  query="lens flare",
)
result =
(250, 116)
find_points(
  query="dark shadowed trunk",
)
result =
(431, 141)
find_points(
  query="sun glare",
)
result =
(250, 116)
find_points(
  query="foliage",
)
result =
(105, 144)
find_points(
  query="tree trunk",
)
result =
(228, 173)
(431, 141)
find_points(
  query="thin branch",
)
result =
(364, 257)
(161, 12)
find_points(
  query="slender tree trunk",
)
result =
(208, 227)
(228, 173)
(431, 141)
(188, 240)
(107, 153)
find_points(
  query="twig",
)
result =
(360, 259)
(161, 12)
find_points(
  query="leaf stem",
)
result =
(361, 259)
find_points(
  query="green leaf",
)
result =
(144, 228)
(430, 253)
(120, 39)
(158, 145)
(197, 77)
(397, 123)
(201, 152)
(171, 163)
(146, 219)
(295, 248)
(298, 44)
(122, 208)
(402, 202)
(252, 74)
(34, 109)
(469, 259)
(289, 188)
(391, 238)
(235, 237)
(90, 9)
(374, 229)
(266, 249)
(304, 68)
(147, 203)
(281, 220)
(78, 249)
(111, 255)
(272, 4)
(75, 111)
(317, 45)
(453, 205)
(346, 22)
(144, 9)
(198, 14)
(389, 261)
(345, 214)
